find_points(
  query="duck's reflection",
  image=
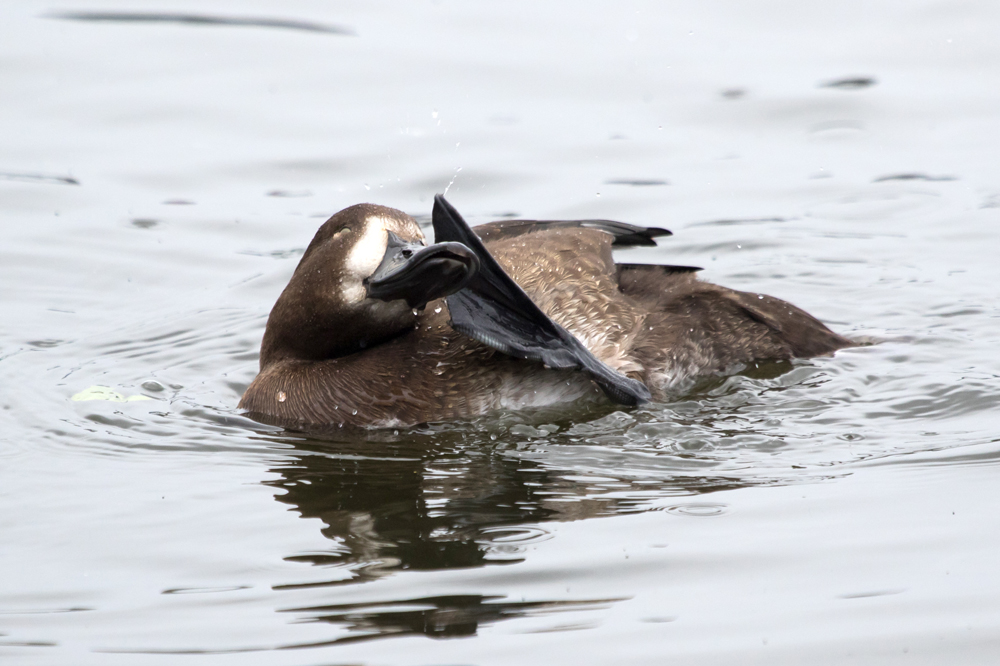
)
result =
(451, 500)
(412, 508)
(446, 500)
(478, 494)
(450, 616)
(457, 503)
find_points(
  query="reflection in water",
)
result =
(473, 494)
(400, 507)
(470, 494)
(850, 83)
(914, 176)
(436, 617)
(39, 178)
(636, 182)
(444, 501)
(200, 19)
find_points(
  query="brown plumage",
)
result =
(381, 363)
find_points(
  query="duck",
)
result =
(377, 328)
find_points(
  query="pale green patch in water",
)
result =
(106, 393)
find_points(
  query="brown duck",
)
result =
(376, 328)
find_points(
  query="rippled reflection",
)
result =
(479, 493)
(485, 492)
(437, 617)
(407, 508)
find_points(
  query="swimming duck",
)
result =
(377, 328)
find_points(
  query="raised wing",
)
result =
(494, 310)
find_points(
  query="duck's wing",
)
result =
(625, 235)
(726, 325)
(627, 272)
(494, 310)
(804, 335)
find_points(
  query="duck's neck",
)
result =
(304, 327)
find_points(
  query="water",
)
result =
(160, 179)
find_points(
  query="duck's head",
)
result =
(362, 280)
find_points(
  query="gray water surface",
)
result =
(163, 168)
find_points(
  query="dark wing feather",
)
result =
(626, 270)
(625, 235)
(494, 310)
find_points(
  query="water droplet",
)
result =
(354, 412)
(281, 396)
(760, 296)
(437, 310)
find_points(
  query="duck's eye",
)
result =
(341, 231)
(407, 253)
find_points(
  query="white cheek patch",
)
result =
(369, 249)
(353, 292)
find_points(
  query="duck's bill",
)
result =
(418, 274)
